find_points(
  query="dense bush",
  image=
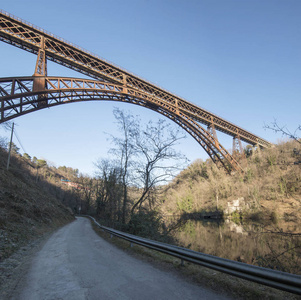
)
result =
(146, 224)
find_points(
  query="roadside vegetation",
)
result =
(30, 205)
(136, 189)
(133, 189)
(270, 187)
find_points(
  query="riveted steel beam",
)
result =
(18, 97)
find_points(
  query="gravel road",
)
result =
(75, 263)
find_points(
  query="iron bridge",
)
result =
(22, 95)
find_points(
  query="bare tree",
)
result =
(86, 186)
(7, 125)
(146, 159)
(156, 159)
(124, 151)
(4, 141)
(284, 131)
(101, 195)
(109, 191)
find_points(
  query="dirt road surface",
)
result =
(75, 263)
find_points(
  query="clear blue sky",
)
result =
(239, 59)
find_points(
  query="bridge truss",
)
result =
(23, 95)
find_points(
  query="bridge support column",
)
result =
(238, 151)
(256, 149)
(211, 130)
(41, 64)
(39, 82)
(237, 145)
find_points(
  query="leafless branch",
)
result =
(284, 131)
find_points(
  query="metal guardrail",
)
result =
(276, 279)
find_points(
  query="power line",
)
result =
(19, 141)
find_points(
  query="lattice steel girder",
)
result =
(28, 37)
(19, 98)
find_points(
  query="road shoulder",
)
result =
(14, 269)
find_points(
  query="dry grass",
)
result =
(271, 183)
(27, 210)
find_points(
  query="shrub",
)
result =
(186, 204)
(146, 224)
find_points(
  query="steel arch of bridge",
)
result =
(23, 95)
(18, 98)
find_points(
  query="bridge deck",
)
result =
(24, 35)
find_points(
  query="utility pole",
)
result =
(10, 145)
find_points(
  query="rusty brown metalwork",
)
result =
(41, 65)
(18, 98)
(39, 82)
(112, 83)
(237, 145)
(212, 131)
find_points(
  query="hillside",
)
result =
(28, 209)
(34, 200)
(269, 188)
